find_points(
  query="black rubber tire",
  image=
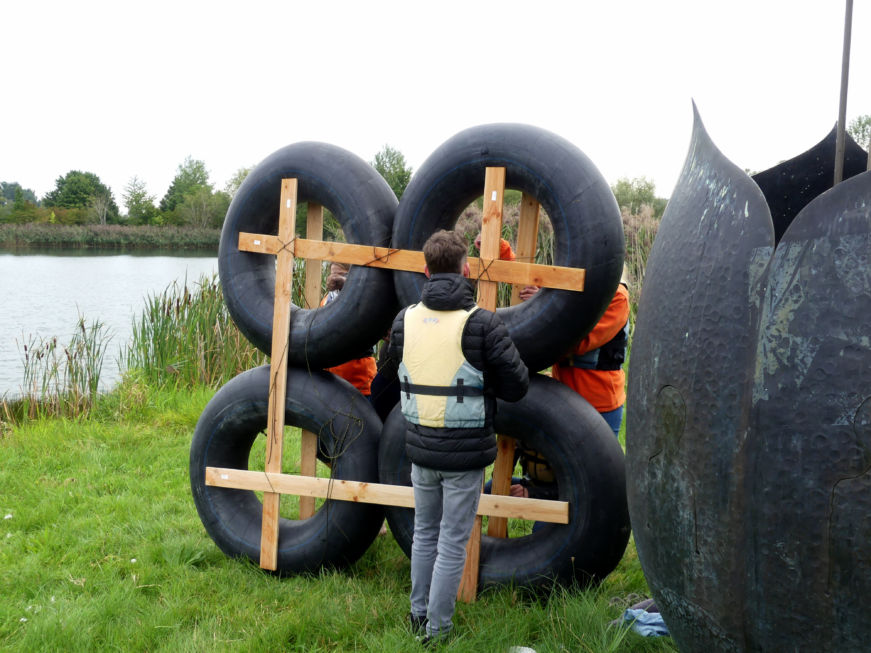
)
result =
(347, 427)
(363, 204)
(588, 230)
(591, 476)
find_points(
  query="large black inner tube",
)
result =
(347, 427)
(588, 230)
(362, 203)
(590, 472)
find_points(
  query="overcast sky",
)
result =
(122, 89)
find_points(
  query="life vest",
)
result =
(609, 356)
(438, 386)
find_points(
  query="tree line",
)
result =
(192, 199)
(80, 197)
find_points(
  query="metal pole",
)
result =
(842, 110)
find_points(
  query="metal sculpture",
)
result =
(749, 421)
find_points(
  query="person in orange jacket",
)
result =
(505, 251)
(359, 372)
(594, 369)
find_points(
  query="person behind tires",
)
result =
(359, 371)
(594, 369)
(455, 361)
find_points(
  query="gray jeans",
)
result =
(445, 504)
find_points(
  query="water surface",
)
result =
(42, 295)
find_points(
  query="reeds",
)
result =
(108, 236)
(639, 231)
(60, 381)
(469, 224)
(185, 337)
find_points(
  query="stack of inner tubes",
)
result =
(586, 458)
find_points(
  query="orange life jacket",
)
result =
(605, 389)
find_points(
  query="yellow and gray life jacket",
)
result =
(438, 386)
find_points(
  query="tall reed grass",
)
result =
(469, 225)
(60, 380)
(108, 236)
(639, 230)
(185, 337)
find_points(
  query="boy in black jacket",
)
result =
(456, 359)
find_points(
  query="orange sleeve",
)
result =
(610, 323)
(505, 251)
(358, 372)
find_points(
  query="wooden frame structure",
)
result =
(487, 269)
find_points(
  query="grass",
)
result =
(102, 549)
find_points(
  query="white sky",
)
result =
(122, 89)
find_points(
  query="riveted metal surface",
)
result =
(749, 417)
(809, 487)
(691, 369)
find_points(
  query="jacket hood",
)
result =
(448, 292)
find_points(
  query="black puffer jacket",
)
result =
(488, 347)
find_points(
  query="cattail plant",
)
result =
(185, 336)
(61, 381)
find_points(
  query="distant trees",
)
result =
(13, 192)
(139, 203)
(632, 194)
(191, 198)
(88, 198)
(390, 164)
(236, 180)
(860, 130)
(191, 175)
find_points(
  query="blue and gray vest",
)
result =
(438, 386)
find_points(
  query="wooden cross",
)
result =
(488, 269)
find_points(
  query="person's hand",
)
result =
(335, 281)
(528, 292)
(517, 490)
(478, 241)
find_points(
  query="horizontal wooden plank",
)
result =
(515, 272)
(387, 495)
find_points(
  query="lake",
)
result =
(43, 294)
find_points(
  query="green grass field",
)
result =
(101, 549)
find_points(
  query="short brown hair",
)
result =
(445, 251)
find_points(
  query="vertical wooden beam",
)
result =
(501, 482)
(491, 231)
(278, 370)
(308, 461)
(314, 230)
(527, 238)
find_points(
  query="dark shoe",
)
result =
(417, 623)
(432, 641)
(428, 641)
